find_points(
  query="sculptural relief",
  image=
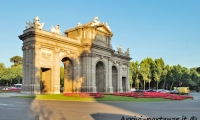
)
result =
(46, 55)
(124, 68)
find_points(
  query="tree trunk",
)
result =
(171, 86)
(136, 81)
(164, 84)
(138, 85)
(157, 84)
(144, 84)
(149, 83)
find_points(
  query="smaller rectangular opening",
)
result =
(45, 80)
(124, 84)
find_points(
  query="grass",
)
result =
(108, 98)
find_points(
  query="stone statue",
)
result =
(126, 52)
(107, 26)
(119, 48)
(56, 30)
(95, 21)
(36, 24)
(78, 24)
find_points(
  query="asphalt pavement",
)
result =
(30, 109)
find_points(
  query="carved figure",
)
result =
(56, 30)
(124, 68)
(95, 21)
(119, 48)
(36, 24)
(107, 26)
(78, 24)
(127, 51)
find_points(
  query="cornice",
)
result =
(102, 48)
(121, 56)
(52, 37)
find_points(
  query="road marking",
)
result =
(3, 104)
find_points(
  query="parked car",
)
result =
(61, 89)
(132, 89)
(174, 92)
(5, 88)
(165, 91)
(17, 87)
(139, 91)
(150, 90)
(160, 90)
(183, 90)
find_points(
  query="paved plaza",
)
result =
(30, 109)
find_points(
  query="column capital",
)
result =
(56, 49)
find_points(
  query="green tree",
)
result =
(17, 60)
(134, 72)
(164, 75)
(2, 71)
(158, 70)
(186, 78)
(13, 74)
(176, 74)
(195, 77)
(61, 76)
(144, 71)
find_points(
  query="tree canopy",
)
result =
(161, 76)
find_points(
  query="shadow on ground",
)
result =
(107, 116)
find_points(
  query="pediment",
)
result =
(104, 29)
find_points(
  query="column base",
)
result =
(31, 89)
(120, 89)
(110, 90)
(56, 89)
(87, 89)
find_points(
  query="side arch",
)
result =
(100, 76)
(68, 74)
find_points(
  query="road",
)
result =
(30, 109)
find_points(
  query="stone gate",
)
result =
(90, 62)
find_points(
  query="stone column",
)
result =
(120, 77)
(110, 87)
(85, 75)
(36, 68)
(88, 71)
(128, 82)
(93, 68)
(30, 68)
(79, 75)
(25, 82)
(24, 64)
(56, 71)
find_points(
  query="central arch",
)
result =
(68, 75)
(100, 77)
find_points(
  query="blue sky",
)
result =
(168, 29)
